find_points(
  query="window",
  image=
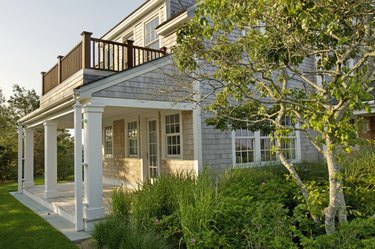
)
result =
(133, 138)
(289, 142)
(151, 37)
(173, 137)
(108, 136)
(253, 147)
(266, 145)
(244, 146)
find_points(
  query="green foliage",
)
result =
(256, 207)
(359, 233)
(65, 155)
(256, 62)
(359, 179)
(114, 233)
(121, 203)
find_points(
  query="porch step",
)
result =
(63, 225)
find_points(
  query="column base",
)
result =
(50, 194)
(90, 214)
(28, 184)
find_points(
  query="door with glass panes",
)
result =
(152, 149)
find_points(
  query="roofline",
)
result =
(124, 19)
(129, 16)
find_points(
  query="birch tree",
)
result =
(256, 51)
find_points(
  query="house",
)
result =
(109, 91)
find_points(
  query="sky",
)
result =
(35, 32)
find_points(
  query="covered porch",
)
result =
(125, 158)
(125, 131)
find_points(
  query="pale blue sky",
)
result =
(35, 32)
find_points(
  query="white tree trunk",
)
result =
(336, 194)
(292, 170)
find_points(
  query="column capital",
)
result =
(29, 130)
(50, 123)
(93, 107)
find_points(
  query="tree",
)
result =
(250, 53)
(8, 150)
(22, 102)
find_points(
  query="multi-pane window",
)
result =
(258, 146)
(289, 142)
(244, 144)
(108, 138)
(173, 136)
(133, 138)
(151, 37)
(266, 146)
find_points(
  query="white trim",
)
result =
(105, 154)
(127, 147)
(148, 20)
(132, 18)
(136, 103)
(257, 150)
(20, 160)
(165, 156)
(78, 217)
(38, 116)
(156, 119)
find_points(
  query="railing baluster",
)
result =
(93, 54)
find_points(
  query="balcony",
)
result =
(98, 54)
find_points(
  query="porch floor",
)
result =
(64, 204)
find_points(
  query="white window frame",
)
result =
(165, 135)
(157, 40)
(257, 148)
(127, 147)
(246, 135)
(106, 154)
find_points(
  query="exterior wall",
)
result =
(187, 134)
(119, 138)
(216, 147)
(155, 85)
(169, 41)
(176, 166)
(124, 170)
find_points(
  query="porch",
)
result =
(64, 203)
(125, 131)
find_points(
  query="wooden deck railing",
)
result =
(93, 53)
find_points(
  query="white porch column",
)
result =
(29, 158)
(197, 130)
(20, 159)
(50, 159)
(93, 174)
(78, 166)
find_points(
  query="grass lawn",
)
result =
(22, 228)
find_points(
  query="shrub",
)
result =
(359, 182)
(121, 203)
(114, 233)
(359, 233)
(243, 208)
